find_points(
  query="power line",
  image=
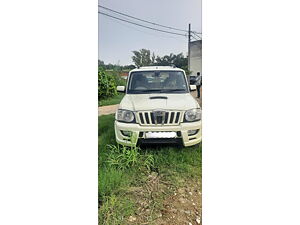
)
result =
(145, 21)
(194, 38)
(142, 25)
(143, 31)
(196, 35)
(141, 19)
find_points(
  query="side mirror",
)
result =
(193, 87)
(120, 88)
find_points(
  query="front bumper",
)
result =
(139, 132)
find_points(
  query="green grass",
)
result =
(115, 210)
(111, 101)
(176, 165)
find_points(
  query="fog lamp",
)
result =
(192, 132)
(126, 133)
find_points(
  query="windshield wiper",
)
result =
(174, 90)
(147, 91)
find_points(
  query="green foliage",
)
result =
(111, 101)
(115, 74)
(118, 79)
(188, 72)
(115, 210)
(122, 157)
(110, 180)
(115, 67)
(177, 60)
(142, 57)
(107, 85)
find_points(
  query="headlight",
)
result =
(125, 116)
(192, 115)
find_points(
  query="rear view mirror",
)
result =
(120, 88)
(193, 87)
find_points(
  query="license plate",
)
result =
(160, 135)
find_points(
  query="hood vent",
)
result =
(158, 97)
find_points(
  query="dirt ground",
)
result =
(199, 100)
(182, 206)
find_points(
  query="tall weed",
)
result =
(122, 157)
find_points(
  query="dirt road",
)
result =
(106, 110)
(183, 206)
(199, 100)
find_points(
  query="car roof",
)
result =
(154, 68)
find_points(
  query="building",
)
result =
(195, 57)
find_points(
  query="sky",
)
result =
(117, 39)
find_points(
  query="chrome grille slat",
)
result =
(167, 118)
(152, 118)
(149, 115)
(172, 117)
(141, 116)
(147, 118)
(177, 117)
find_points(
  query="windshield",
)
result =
(157, 82)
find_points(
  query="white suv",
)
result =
(158, 108)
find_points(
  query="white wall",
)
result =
(196, 57)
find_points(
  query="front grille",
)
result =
(151, 118)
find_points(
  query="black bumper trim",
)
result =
(160, 141)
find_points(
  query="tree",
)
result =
(100, 63)
(128, 67)
(115, 67)
(153, 59)
(107, 86)
(142, 58)
(177, 60)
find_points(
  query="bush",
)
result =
(107, 86)
(119, 80)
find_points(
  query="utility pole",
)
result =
(189, 49)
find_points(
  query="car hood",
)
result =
(145, 102)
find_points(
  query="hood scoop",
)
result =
(158, 97)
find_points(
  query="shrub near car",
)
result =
(158, 108)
